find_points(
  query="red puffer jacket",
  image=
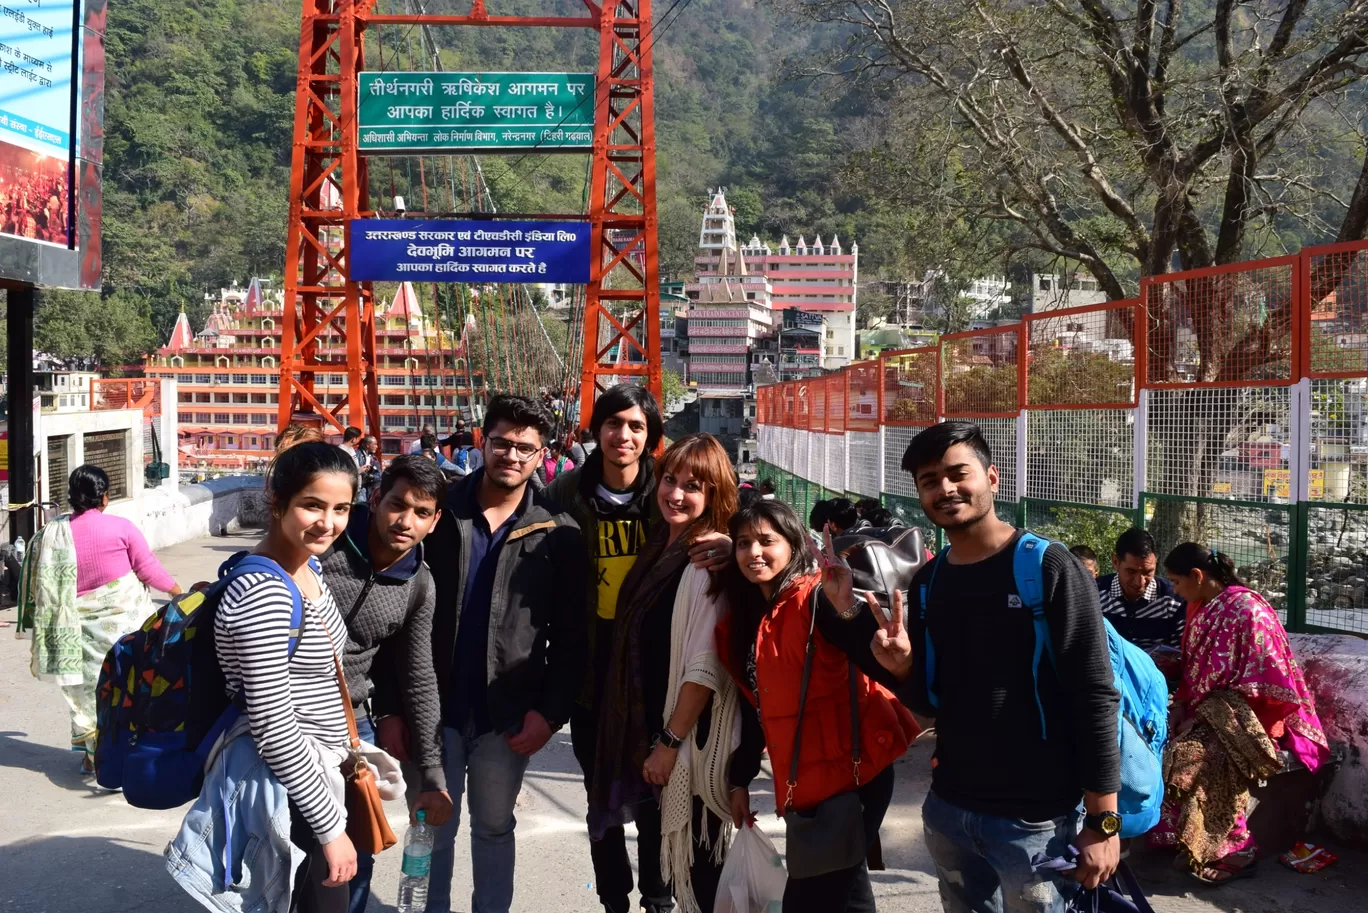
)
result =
(826, 762)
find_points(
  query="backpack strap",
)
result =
(926, 632)
(1028, 567)
(244, 563)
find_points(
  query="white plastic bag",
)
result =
(753, 878)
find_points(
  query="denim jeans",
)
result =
(983, 862)
(495, 779)
(360, 884)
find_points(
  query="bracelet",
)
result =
(850, 613)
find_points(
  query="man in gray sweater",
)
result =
(386, 596)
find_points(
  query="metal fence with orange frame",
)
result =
(1226, 405)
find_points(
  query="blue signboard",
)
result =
(405, 250)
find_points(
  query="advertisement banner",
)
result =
(1278, 483)
(36, 44)
(403, 250)
(475, 112)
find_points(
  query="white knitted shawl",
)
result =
(702, 771)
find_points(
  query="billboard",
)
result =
(51, 141)
(402, 250)
(475, 112)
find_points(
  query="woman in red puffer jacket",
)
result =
(771, 593)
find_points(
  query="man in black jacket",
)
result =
(509, 641)
(385, 594)
(1022, 768)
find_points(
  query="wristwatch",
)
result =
(669, 739)
(1108, 824)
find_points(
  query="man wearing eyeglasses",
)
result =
(510, 640)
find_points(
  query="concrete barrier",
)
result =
(213, 508)
(1336, 670)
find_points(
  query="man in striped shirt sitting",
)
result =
(1141, 605)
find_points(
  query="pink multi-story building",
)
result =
(729, 309)
(819, 278)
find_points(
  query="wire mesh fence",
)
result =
(1337, 319)
(1082, 456)
(862, 396)
(896, 439)
(1226, 406)
(1081, 357)
(1338, 413)
(1001, 435)
(1221, 442)
(862, 454)
(1080, 524)
(1228, 324)
(1256, 536)
(911, 386)
(817, 457)
(836, 463)
(909, 512)
(1337, 568)
(979, 372)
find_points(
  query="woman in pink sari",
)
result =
(1234, 649)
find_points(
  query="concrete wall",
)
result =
(73, 427)
(1336, 670)
(210, 508)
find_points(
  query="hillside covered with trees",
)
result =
(818, 116)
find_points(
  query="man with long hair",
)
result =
(612, 498)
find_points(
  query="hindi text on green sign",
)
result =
(477, 112)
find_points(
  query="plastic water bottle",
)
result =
(19, 549)
(413, 875)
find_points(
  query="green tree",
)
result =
(672, 387)
(1097, 529)
(114, 331)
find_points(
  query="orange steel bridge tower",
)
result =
(329, 187)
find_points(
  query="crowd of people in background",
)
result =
(33, 205)
(479, 594)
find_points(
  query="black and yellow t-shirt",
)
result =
(621, 534)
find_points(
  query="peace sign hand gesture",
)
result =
(891, 646)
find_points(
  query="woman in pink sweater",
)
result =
(84, 585)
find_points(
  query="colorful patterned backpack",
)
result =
(162, 700)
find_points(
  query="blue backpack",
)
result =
(462, 458)
(161, 699)
(1142, 717)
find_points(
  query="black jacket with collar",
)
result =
(538, 634)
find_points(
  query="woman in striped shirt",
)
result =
(293, 702)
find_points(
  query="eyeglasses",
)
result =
(520, 452)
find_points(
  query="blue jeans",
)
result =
(496, 774)
(984, 862)
(365, 862)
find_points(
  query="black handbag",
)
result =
(831, 836)
(881, 561)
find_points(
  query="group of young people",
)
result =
(682, 626)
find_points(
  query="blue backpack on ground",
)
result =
(1142, 717)
(161, 700)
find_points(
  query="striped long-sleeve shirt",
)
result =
(1156, 619)
(287, 698)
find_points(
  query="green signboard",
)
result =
(475, 112)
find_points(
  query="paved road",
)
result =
(67, 849)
